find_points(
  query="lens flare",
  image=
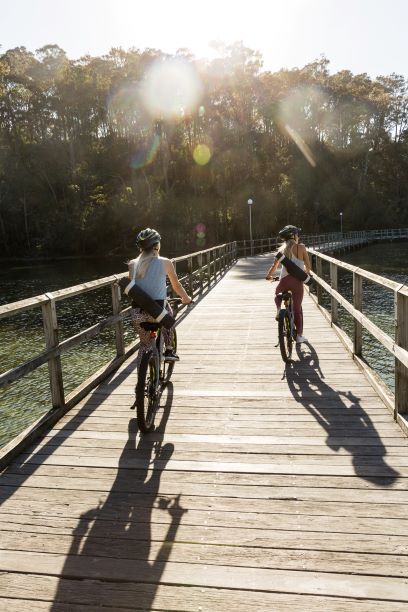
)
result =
(302, 146)
(146, 154)
(171, 88)
(202, 154)
(200, 234)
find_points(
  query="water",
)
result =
(21, 336)
(391, 261)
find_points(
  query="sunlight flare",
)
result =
(171, 89)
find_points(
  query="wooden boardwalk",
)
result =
(261, 489)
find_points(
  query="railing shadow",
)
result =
(340, 414)
(115, 538)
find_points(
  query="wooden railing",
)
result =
(397, 346)
(202, 269)
(329, 242)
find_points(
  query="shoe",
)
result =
(170, 356)
(300, 339)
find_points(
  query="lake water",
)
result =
(21, 336)
(391, 261)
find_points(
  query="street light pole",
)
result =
(341, 224)
(250, 202)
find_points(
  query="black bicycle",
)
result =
(153, 374)
(286, 326)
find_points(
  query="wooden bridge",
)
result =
(263, 487)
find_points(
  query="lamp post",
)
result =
(341, 224)
(250, 202)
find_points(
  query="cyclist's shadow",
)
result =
(116, 536)
(307, 385)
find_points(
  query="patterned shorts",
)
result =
(140, 316)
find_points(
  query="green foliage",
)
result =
(84, 164)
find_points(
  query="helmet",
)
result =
(147, 238)
(288, 231)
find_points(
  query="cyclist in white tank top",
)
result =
(298, 254)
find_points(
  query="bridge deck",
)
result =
(261, 488)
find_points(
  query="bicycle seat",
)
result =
(285, 295)
(149, 326)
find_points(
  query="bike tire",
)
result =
(147, 396)
(285, 336)
(169, 367)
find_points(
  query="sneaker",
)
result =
(300, 339)
(170, 355)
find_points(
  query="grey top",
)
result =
(154, 281)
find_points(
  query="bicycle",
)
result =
(153, 374)
(286, 326)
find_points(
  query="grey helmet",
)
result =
(289, 231)
(147, 238)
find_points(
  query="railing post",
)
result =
(319, 272)
(401, 339)
(116, 308)
(50, 323)
(208, 259)
(358, 304)
(190, 275)
(200, 265)
(334, 285)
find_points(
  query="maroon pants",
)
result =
(296, 286)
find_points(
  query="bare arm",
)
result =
(175, 283)
(306, 259)
(272, 270)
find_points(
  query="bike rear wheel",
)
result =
(167, 368)
(285, 336)
(147, 392)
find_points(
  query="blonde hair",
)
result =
(142, 262)
(286, 248)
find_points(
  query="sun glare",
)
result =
(171, 88)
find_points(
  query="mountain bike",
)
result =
(153, 374)
(286, 326)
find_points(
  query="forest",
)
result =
(94, 149)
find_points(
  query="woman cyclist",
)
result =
(149, 271)
(295, 251)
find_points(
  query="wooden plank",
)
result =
(234, 536)
(116, 547)
(310, 583)
(91, 595)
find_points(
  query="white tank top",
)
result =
(298, 262)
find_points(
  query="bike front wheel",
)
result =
(147, 392)
(285, 336)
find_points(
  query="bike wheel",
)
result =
(147, 396)
(168, 368)
(285, 336)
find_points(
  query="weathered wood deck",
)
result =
(262, 488)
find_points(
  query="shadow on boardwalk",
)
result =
(115, 539)
(347, 424)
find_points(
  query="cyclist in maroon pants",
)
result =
(297, 253)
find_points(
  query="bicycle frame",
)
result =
(288, 306)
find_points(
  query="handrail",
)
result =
(203, 269)
(397, 346)
(331, 242)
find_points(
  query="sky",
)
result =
(358, 35)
